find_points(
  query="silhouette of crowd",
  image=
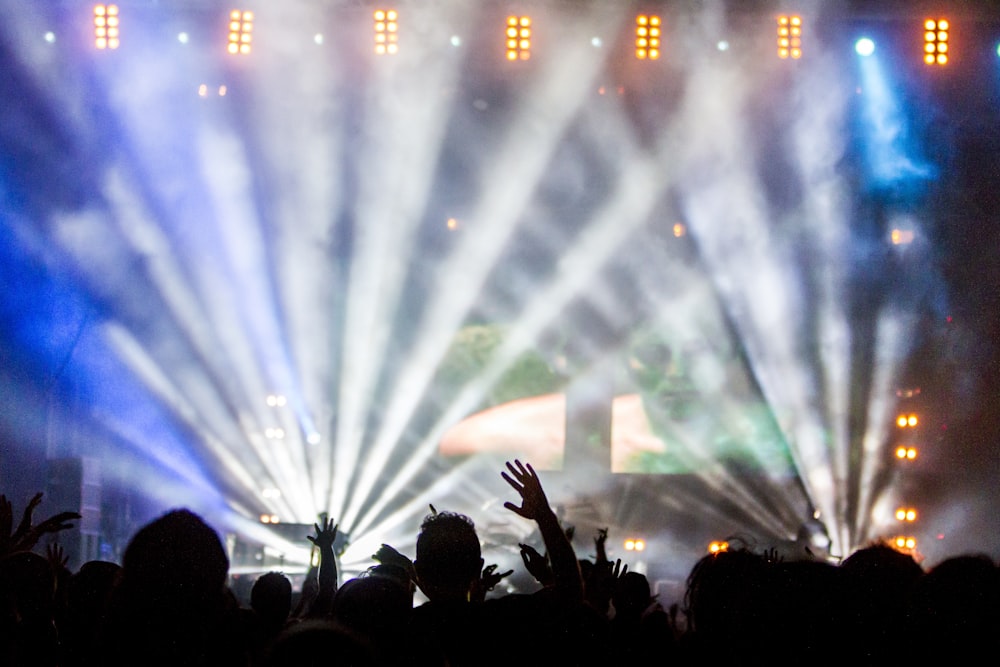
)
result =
(169, 603)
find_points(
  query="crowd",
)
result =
(168, 603)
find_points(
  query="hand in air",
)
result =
(524, 480)
(490, 577)
(325, 535)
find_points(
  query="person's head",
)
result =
(271, 598)
(631, 595)
(175, 560)
(449, 558)
(374, 606)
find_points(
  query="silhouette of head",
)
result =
(877, 582)
(176, 559)
(316, 643)
(372, 605)
(271, 599)
(449, 558)
(631, 595)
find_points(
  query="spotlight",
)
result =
(718, 547)
(106, 26)
(240, 32)
(864, 47)
(906, 453)
(518, 37)
(936, 41)
(902, 236)
(789, 37)
(647, 37)
(276, 400)
(906, 421)
(679, 229)
(386, 31)
(635, 544)
(269, 518)
(905, 543)
(907, 514)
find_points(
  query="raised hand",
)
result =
(26, 536)
(619, 570)
(25, 525)
(523, 478)
(486, 582)
(535, 506)
(536, 564)
(325, 536)
(600, 543)
(57, 557)
(490, 577)
(56, 523)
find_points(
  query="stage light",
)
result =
(647, 37)
(635, 544)
(679, 230)
(240, 32)
(906, 421)
(718, 547)
(386, 31)
(269, 518)
(906, 453)
(518, 37)
(864, 47)
(905, 543)
(902, 236)
(271, 493)
(936, 41)
(789, 37)
(106, 26)
(276, 400)
(907, 514)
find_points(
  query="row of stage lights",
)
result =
(906, 423)
(518, 29)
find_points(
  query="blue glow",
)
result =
(884, 133)
(51, 328)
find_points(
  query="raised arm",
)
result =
(26, 536)
(324, 539)
(535, 506)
